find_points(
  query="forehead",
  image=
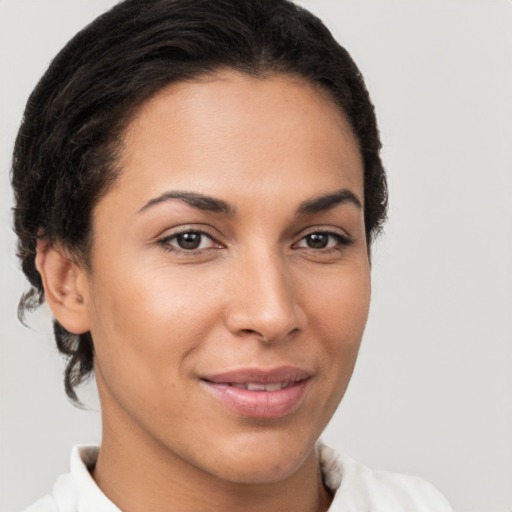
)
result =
(216, 132)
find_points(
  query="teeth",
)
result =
(253, 386)
(274, 387)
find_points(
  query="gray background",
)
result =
(432, 392)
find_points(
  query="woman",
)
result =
(197, 189)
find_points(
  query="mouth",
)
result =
(262, 394)
(254, 386)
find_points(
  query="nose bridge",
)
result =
(263, 299)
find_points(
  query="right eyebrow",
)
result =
(199, 201)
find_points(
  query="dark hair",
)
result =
(66, 150)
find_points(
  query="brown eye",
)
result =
(317, 240)
(323, 240)
(189, 241)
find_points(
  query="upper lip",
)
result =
(259, 376)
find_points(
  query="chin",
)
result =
(263, 461)
(250, 472)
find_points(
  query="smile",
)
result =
(260, 394)
(254, 386)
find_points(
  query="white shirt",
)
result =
(356, 488)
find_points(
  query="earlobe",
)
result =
(64, 286)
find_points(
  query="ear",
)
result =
(65, 286)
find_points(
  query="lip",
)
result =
(259, 404)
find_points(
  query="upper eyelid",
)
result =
(174, 235)
(179, 230)
(329, 230)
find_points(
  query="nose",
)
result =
(262, 301)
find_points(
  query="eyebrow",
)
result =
(328, 201)
(195, 200)
(212, 204)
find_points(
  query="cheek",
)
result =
(146, 322)
(341, 306)
(338, 313)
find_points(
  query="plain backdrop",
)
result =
(432, 391)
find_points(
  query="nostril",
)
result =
(253, 332)
(265, 338)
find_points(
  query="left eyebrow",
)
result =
(328, 201)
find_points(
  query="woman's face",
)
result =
(230, 280)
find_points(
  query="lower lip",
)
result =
(259, 404)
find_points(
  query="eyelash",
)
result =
(165, 242)
(342, 241)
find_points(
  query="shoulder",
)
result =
(46, 504)
(358, 488)
(76, 490)
(61, 498)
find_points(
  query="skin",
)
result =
(254, 294)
